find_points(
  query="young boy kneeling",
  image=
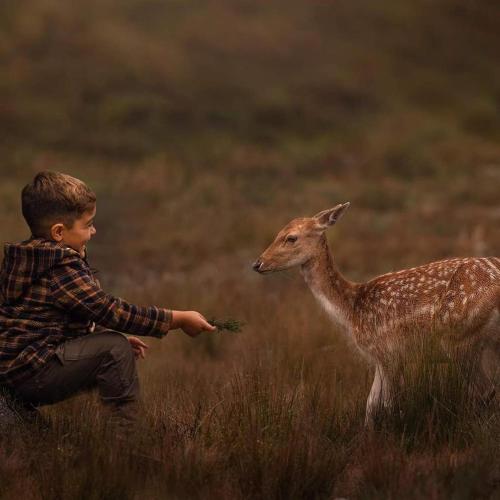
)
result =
(59, 331)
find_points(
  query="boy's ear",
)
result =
(56, 231)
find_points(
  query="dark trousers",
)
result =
(103, 360)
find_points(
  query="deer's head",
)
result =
(298, 241)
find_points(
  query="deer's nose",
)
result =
(256, 265)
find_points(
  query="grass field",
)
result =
(204, 127)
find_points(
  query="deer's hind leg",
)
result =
(379, 397)
(481, 361)
(486, 358)
(489, 381)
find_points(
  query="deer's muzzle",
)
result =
(257, 265)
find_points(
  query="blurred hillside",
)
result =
(239, 115)
(134, 77)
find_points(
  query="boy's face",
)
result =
(83, 229)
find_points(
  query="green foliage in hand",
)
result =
(231, 325)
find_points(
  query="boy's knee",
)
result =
(121, 350)
(121, 343)
(117, 345)
(116, 351)
(118, 379)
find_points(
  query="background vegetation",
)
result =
(204, 127)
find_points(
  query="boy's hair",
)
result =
(53, 197)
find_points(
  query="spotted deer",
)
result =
(456, 299)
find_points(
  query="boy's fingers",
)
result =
(207, 326)
(139, 352)
(205, 321)
(138, 342)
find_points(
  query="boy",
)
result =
(59, 331)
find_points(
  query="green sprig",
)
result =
(231, 325)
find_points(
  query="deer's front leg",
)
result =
(379, 396)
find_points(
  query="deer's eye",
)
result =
(291, 239)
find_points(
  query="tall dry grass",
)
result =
(276, 411)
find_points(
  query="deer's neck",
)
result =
(331, 289)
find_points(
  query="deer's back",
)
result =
(459, 295)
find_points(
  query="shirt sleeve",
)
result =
(73, 289)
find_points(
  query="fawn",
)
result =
(457, 300)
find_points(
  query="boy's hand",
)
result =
(138, 346)
(191, 322)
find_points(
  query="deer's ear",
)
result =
(331, 216)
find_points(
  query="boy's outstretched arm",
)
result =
(73, 289)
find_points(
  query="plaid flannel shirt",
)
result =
(50, 295)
